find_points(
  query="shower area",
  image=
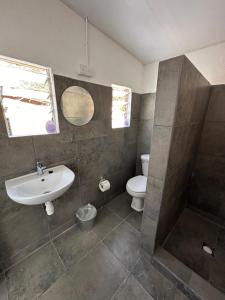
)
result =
(183, 226)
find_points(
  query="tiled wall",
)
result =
(92, 151)
(208, 181)
(147, 110)
(181, 102)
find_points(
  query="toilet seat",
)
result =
(136, 186)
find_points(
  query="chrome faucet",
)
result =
(40, 168)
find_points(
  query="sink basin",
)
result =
(35, 189)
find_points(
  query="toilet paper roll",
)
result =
(104, 185)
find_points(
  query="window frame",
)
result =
(51, 93)
(121, 87)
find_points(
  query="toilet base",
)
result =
(137, 204)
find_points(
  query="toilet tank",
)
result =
(145, 162)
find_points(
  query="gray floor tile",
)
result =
(98, 275)
(203, 289)
(121, 205)
(158, 286)
(73, 244)
(106, 220)
(135, 219)
(3, 288)
(132, 290)
(185, 243)
(124, 242)
(62, 289)
(180, 296)
(34, 275)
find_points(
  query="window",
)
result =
(27, 98)
(121, 106)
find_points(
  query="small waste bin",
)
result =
(86, 216)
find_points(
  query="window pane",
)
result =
(121, 106)
(27, 98)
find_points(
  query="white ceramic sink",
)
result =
(35, 189)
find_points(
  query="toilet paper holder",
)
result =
(104, 184)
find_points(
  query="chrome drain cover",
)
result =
(207, 249)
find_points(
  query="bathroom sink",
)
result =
(35, 189)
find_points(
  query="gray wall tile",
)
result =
(135, 108)
(207, 188)
(213, 139)
(91, 151)
(148, 233)
(147, 109)
(153, 197)
(181, 102)
(216, 106)
(16, 155)
(145, 127)
(160, 151)
(167, 90)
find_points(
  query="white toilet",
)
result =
(136, 186)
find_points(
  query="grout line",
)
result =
(6, 284)
(120, 285)
(124, 221)
(126, 278)
(52, 238)
(121, 263)
(27, 256)
(110, 209)
(172, 229)
(130, 225)
(98, 242)
(102, 239)
(204, 217)
(49, 234)
(59, 257)
(140, 285)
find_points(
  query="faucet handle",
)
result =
(41, 165)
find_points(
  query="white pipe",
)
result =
(49, 207)
(86, 42)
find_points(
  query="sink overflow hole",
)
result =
(47, 192)
(42, 179)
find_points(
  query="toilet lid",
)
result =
(138, 184)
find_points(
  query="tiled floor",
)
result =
(185, 243)
(105, 263)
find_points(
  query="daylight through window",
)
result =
(27, 98)
(121, 106)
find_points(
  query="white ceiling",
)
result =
(156, 29)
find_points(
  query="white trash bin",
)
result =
(86, 216)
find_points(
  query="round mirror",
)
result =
(77, 105)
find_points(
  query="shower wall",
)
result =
(181, 102)
(208, 181)
(145, 128)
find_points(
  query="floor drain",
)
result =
(207, 249)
